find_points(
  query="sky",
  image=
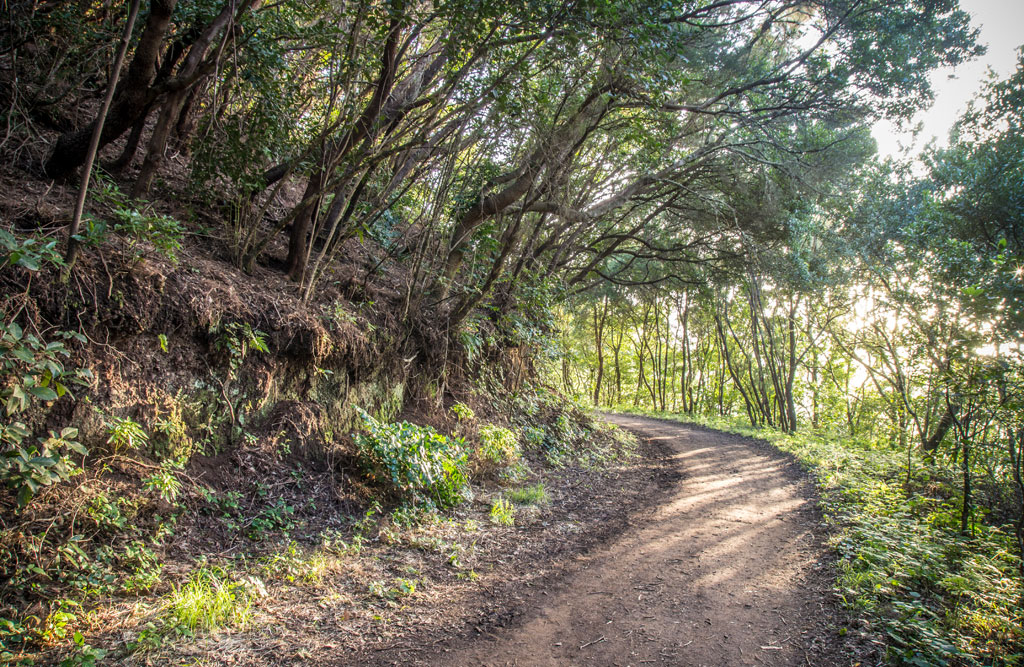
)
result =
(1001, 23)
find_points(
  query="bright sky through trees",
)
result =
(1001, 24)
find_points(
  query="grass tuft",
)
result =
(528, 495)
(502, 512)
(209, 602)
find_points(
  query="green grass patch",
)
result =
(209, 602)
(939, 598)
(528, 495)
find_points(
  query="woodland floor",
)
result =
(706, 549)
(728, 567)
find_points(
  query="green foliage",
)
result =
(31, 252)
(162, 231)
(136, 226)
(498, 445)
(170, 438)
(416, 461)
(209, 601)
(32, 373)
(534, 436)
(226, 505)
(528, 495)
(502, 512)
(463, 412)
(472, 343)
(165, 482)
(400, 588)
(85, 655)
(238, 339)
(295, 566)
(124, 433)
(279, 516)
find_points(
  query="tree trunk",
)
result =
(599, 342)
(941, 429)
(83, 190)
(175, 102)
(965, 470)
(299, 241)
(132, 96)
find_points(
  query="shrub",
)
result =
(31, 373)
(463, 412)
(163, 232)
(498, 445)
(533, 436)
(417, 461)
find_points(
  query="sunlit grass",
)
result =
(528, 495)
(502, 512)
(209, 602)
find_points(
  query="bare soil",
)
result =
(731, 568)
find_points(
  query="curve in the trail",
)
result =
(727, 572)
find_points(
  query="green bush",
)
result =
(463, 412)
(498, 445)
(31, 373)
(534, 436)
(417, 461)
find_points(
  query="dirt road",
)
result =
(728, 571)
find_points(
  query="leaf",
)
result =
(78, 448)
(44, 393)
(24, 495)
(23, 354)
(17, 400)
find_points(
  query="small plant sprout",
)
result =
(124, 434)
(502, 512)
(165, 482)
(463, 412)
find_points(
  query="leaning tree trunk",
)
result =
(134, 93)
(90, 156)
(175, 102)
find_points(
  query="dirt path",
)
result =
(729, 571)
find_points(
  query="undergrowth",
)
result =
(938, 598)
(209, 601)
